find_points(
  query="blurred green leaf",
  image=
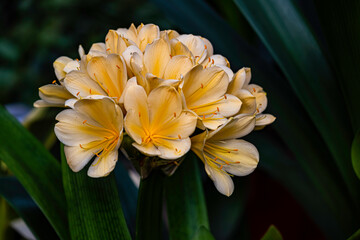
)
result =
(292, 44)
(128, 193)
(340, 23)
(355, 154)
(36, 169)
(355, 236)
(21, 202)
(149, 208)
(94, 208)
(272, 234)
(185, 201)
(203, 234)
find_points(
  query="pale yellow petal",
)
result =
(179, 127)
(212, 122)
(263, 120)
(53, 95)
(203, 86)
(177, 66)
(81, 85)
(170, 33)
(114, 43)
(208, 46)
(77, 158)
(101, 167)
(147, 35)
(156, 56)
(248, 101)
(236, 127)
(172, 149)
(164, 105)
(59, 65)
(198, 143)
(195, 45)
(260, 96)
(97, 49)
(226, 106)
(237, 82)
(241, 159)
(110, 73)
(178, 48)
(148, 149)
(221, 179)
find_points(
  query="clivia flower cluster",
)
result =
(168, 92)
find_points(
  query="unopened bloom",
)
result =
(157, 123)
(92, 127)
(252, 96)
(223, 154)
(204, 92)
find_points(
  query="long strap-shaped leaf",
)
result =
(185, 200)
(94, 207)
(292, 44)
(36, 169)
(149, 208)
(19, 199)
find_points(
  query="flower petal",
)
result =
(81, 85)
(195, 45)
(202, 86)
(248, 101)
(208, 46)
(222, 180)
(164, 104)
(178, 48)
(77, 158)
(177, 66)
(260, 95)
(263, 120)
(148, 149)
(59, 65)
(198, 143)
(172, 149)
(53, 95)
(97, 49)
(114, 43)
(183, 126)
(170, 33)
(147, 35)
(156, 56)
(236, 127)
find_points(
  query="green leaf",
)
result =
(94, 208)
(355, 154)
(185, 200)
(338, 22)
(203, 234)
(272, 234)
(21, 202)
(355, 236)
(128, 193)
(292, 44)
(36, 169)
(149, 208)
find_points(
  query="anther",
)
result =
(90, 90)
(84, 121)
(204, 117)
(225, 96)
(205, 46)
(118, 66)
(170, 56)
(218, 109)
(108, 49)
(254, 90)
(179, 136)
(53, 82)
(77, 94)
(139, 114)
(212, 61)
(175, 114)
(81, 146)
(106, 39)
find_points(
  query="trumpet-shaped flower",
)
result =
(55, 95)
(91, 128)
(204, 92)
(252, 96)
(157, 123)
(223, 154)
(104, 76)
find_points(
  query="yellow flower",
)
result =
(157, 123)
(204, 92)
(55, 95)
(252, 96)
(223, 154)
(92, 127)
(104, 76)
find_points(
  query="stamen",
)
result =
(179, 136)
(176, 163)
(77, 94)
(118, 66)
(174, 114)
(90, 90)
(204, 117)
(139, 114)
(84, 121)
(254, 90)
(205, 46)
(106, 39)
(53, 82)
(202, 85)
(108, 49)
(170, 56)
(218, 109)
(81, 146)
(212, 61)
(225, 97)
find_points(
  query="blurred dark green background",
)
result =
(291, 187)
